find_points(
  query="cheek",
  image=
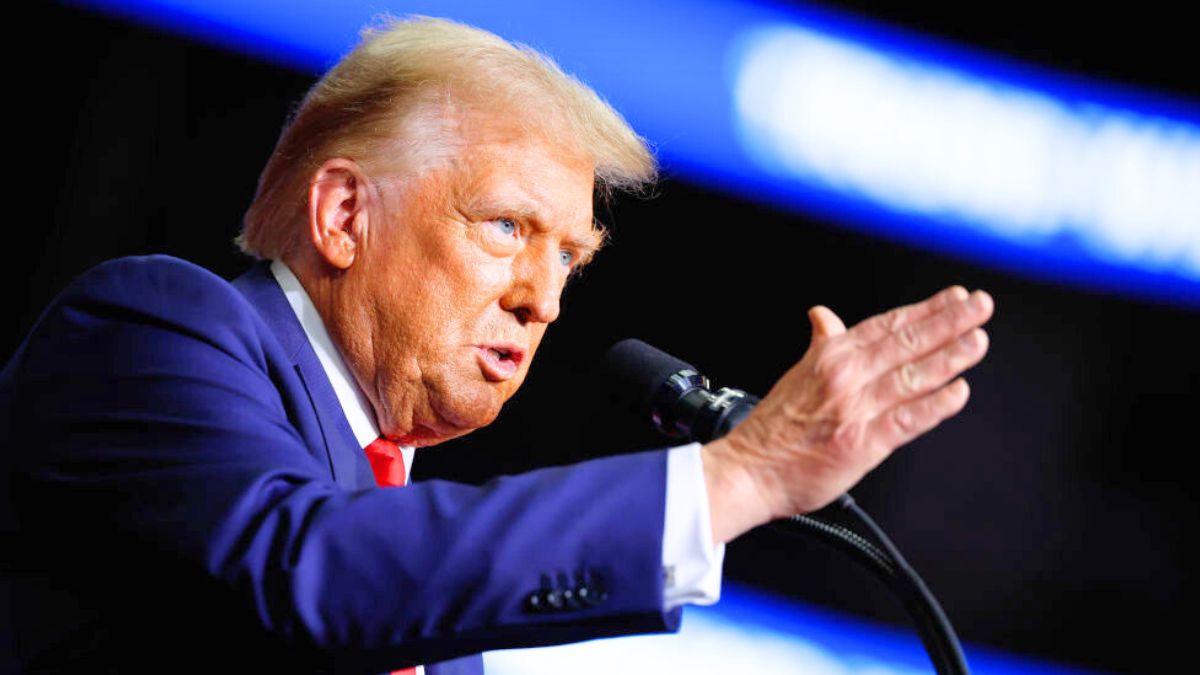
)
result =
(440, 306)
(485, 275)
(472, 290)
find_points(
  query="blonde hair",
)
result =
(399, 72)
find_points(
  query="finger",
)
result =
(825, 323)
(902, 423)
(915, 379)
(877, 327)
(914, 340)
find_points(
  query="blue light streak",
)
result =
(948, 149)
(752, 632)
(1003, 164)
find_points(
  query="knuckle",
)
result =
(895, 319)
(908, 379)
(904, 420)
(909, 338)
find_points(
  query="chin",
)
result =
(454, 416)
(424, 437)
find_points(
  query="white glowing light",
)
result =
(933, 142)
(706, 645)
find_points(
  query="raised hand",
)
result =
(854, 397)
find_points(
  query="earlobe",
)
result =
(337, 214)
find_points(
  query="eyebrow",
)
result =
(479, 206)
(484, 205)
(589, 244)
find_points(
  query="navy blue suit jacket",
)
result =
(181, 492)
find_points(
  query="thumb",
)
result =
(825, 323)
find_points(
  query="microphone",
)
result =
(679, 399)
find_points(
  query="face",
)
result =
(458, 277)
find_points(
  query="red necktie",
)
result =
(387, 463)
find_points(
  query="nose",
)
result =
(536, 287)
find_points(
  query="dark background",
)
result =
(1053, 517)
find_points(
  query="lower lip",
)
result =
(495, 369)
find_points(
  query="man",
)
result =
(191, 466)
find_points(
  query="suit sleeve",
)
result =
(153, 429)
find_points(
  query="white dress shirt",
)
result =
(691, 563)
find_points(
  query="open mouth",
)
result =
(500, 362)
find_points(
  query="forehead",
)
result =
(524, 175)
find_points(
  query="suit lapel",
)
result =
(346, 460)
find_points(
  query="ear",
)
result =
(337, 211)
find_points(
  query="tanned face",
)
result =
(456, 272)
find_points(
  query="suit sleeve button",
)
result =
(535, 602)
(590, 596)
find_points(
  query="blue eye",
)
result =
(506, 226)
(566, 257)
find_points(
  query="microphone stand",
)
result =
(883, 559)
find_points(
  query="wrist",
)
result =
(737, 502)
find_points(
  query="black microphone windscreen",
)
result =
(642, 368)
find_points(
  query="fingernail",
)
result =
(970, 339)
(980, 300)
(958, 293)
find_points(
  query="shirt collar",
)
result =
(354, 403)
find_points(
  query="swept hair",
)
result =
(403, 72)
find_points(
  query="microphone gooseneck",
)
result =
(681, 404)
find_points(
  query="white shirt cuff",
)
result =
(691, 564)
